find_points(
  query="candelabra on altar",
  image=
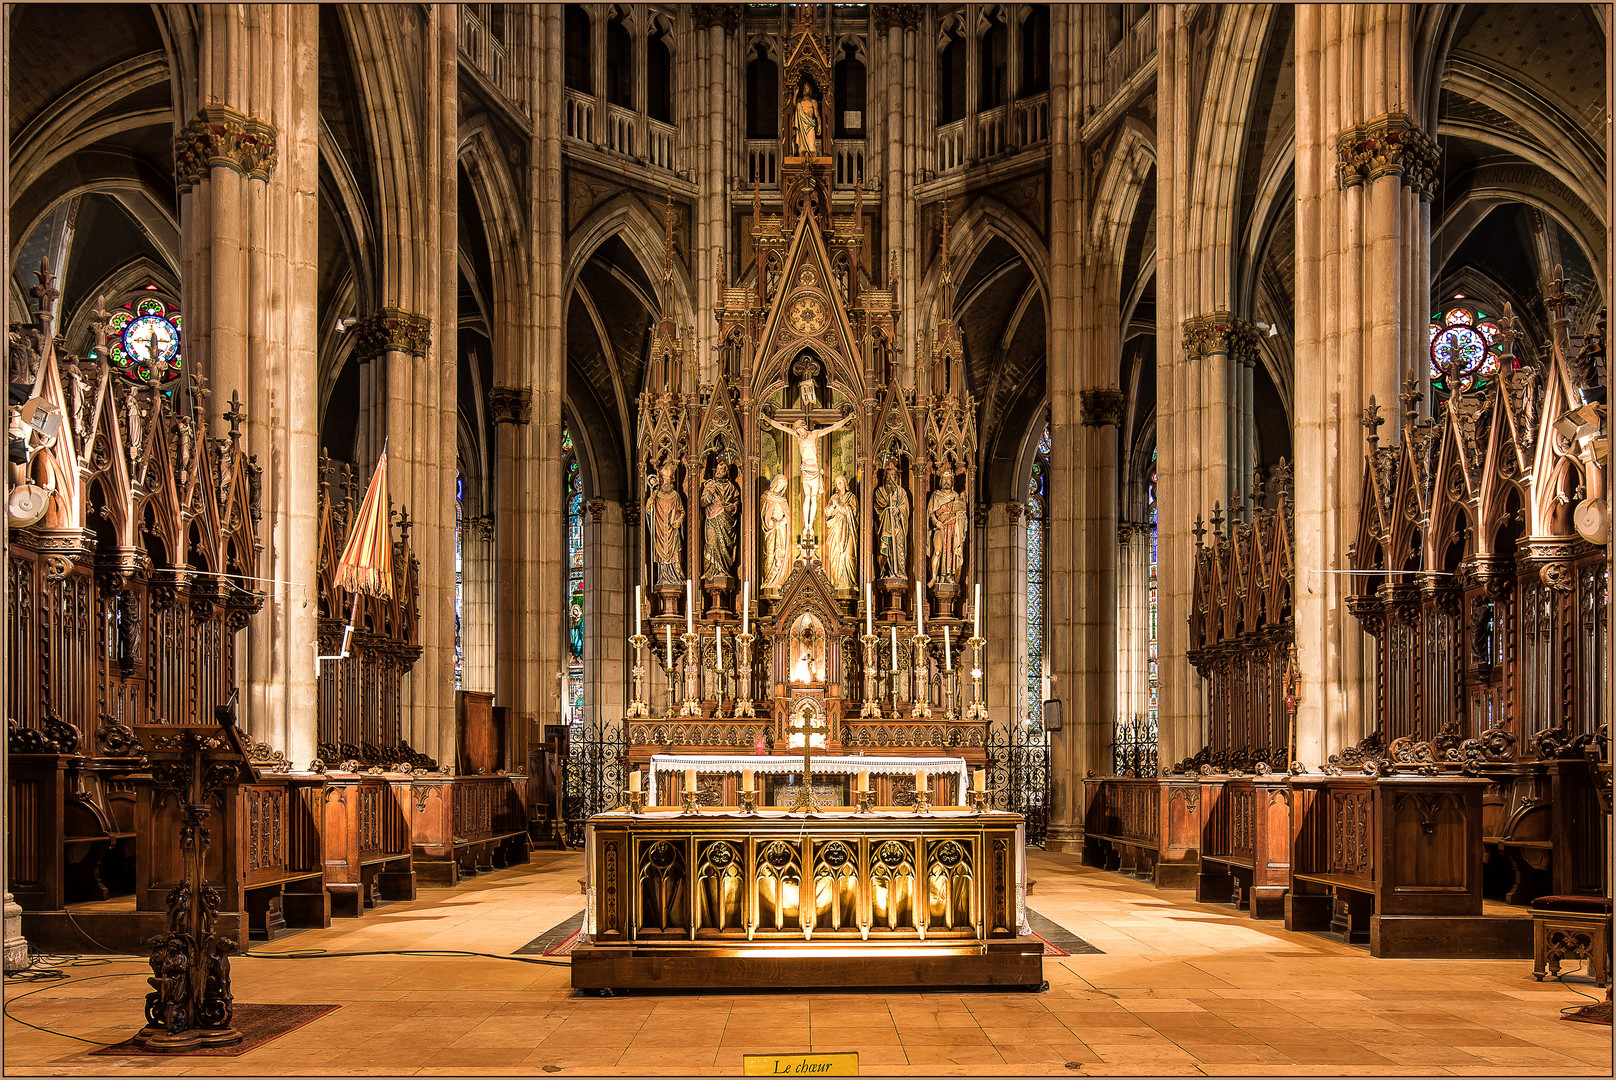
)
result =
(692, 702)
(872, 704)
(920, 704)
(950, 692)
(673, 687)
(978, 709)
(637, 708)
(743, 675)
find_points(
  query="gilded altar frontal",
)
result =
(785, 539)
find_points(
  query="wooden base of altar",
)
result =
(886, 898)
(1016, 963)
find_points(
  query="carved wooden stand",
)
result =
(190, 1004)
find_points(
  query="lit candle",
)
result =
(746, 779)
(864, 780)
(869, 612)
(634, 782)
(980, 780)
(719, 641)
(977, 612)
(894, 650)
(690, 781)
(690, 606)
(746, 605)
(920, 782)
(948, 651)
(668, 652)
(920, 611)
(636, 609)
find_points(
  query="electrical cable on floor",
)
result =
(40, 989)
(322, 954)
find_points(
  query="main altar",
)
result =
(807, 589)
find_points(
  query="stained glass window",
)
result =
(1037, 523)
(1464, 351)
(143, 338)
(572, 479)
(460, 514)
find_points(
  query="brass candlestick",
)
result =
(923, 798)
(866, 802)
(979, 800)
(743, 675)
(673, 687)
(950, 692)
(692, 703)
(637, 708)
(872, 707)
(921, 705)
(691, 805)
(636, 802)
(749, 801)
(978, 709)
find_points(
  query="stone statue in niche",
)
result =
(892, 518)
(841, 536)
(776, 513)
(813, 482)
(667, 524)
(805, 120)
(721, 501)
(948, 516)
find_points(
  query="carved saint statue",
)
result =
(841, 532)
(813, 483)
(946, 512)
(667, 524)
(805, 120)
(892, 521)
(776, 533)
(721, 501)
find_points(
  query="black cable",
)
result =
(321, 954)
(9, 1015)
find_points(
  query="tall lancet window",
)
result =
(572, 480)
(1152, 668)
(460, 519)
(1037, 519)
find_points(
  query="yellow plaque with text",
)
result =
(799, 1064)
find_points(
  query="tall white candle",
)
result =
(864, 780)
(719, 641)
(979, 781)
(636, 609)
(746, 605)
(976, 612)
(669, 650)
(920, 611)
(869, 611)
(920, 781)
(948, 652)
(746, 779)
(634, 781)
(690, 606)
(894, 650)
(690, 781)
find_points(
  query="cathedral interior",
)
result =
(649, 538)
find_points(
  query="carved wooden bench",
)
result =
(1245, 843)
(367, 843)
(1146, 826)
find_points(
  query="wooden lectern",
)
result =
(190, 1004)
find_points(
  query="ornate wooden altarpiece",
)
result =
(808, 361)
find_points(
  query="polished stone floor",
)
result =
(1181, 989)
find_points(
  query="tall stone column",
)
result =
(477, 604)
(1133, 619)
(1364, 172)
(246, 167)
(608, 603)
(1004, 600)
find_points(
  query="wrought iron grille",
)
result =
(594, 774)
(1018, 774)
(1133, 746)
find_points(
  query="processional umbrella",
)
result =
(366, 565)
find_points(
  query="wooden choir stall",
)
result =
(1484, 784)
(808, 596)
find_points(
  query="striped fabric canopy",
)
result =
(366, 565)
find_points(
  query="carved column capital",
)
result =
(221, 136)
(596, 508)
(511, 404)
(631, 514)
(896, 16)
(392, 330)
(1014, 509)
(1102, 408)
(707, 16)
(1389, 145)
(1219, 332)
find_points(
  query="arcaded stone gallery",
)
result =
(979, 539)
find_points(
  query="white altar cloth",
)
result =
(835, 764)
